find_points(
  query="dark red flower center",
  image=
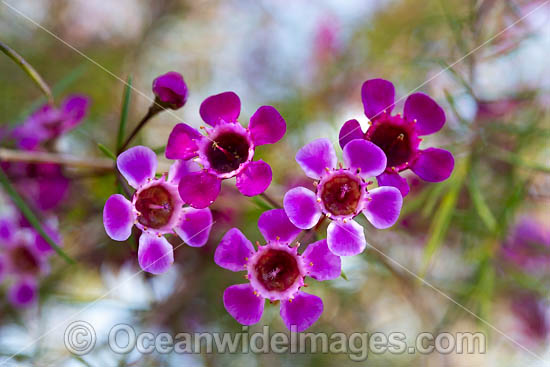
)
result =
(25, 260)
(155, 205)
(277, 270)
(227, 151)
(341, 194)
(394, 141)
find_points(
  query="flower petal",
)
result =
(434, 165)
(301, 207)
(223, 107)
(384, 206)
(302, 312)
(23, 293)
(74, 108)
(182, 142)
(241, 303)
(346, 239)
(137, 164)
(254, 178)
(233, 251)
(366, 157)
(395, 180)
(267, 126)
(181, 168)
(275, 226)
(429, 117)
(315, 157)
(199, 189)
(155, 254)
(349, 131)
(194, 228)
(118, 217)
(321, 263)
(378, 95)
(53, 186)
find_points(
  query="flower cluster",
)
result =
(275, 270)
(24, 254)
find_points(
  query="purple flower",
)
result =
(49, 122)
(398, 136)
(534, 314)
(44, 184)
(170, 90)
(156, 209)
(226, 151)
(528, 246)
(276, 272)
(22, 262)
(23, 292)
(342, 193)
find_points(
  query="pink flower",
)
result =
(156, 209)
(399, 136)
(226, 151)
(276, 272)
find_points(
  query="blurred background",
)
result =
(482, 237)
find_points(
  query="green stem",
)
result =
(30, 216)
(270, 200)
(153, 110)
(27, 68)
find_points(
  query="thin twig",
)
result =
(10, 155)
(152, 111)
(28, 69)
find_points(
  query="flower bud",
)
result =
(170, 90)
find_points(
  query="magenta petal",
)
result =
(51, 190)
(349, 131)
(199, 189)
(181, 168)
(267, 126)
(223, 107)
(315, 157)
(155, 254)
(395, 180)
(23, 293)
(302, 312)
(301, 207)
(233, 251)
(118, 218)
(137, 164)
(74, 109)
(384, 206)
(275, 226)
(434, 165)
(241, 303)
(194, 228)
(254, 178)
(182, 142)
(346, 239)
(366, 157)
(321, 263)
(378, 95)
(429, 117)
